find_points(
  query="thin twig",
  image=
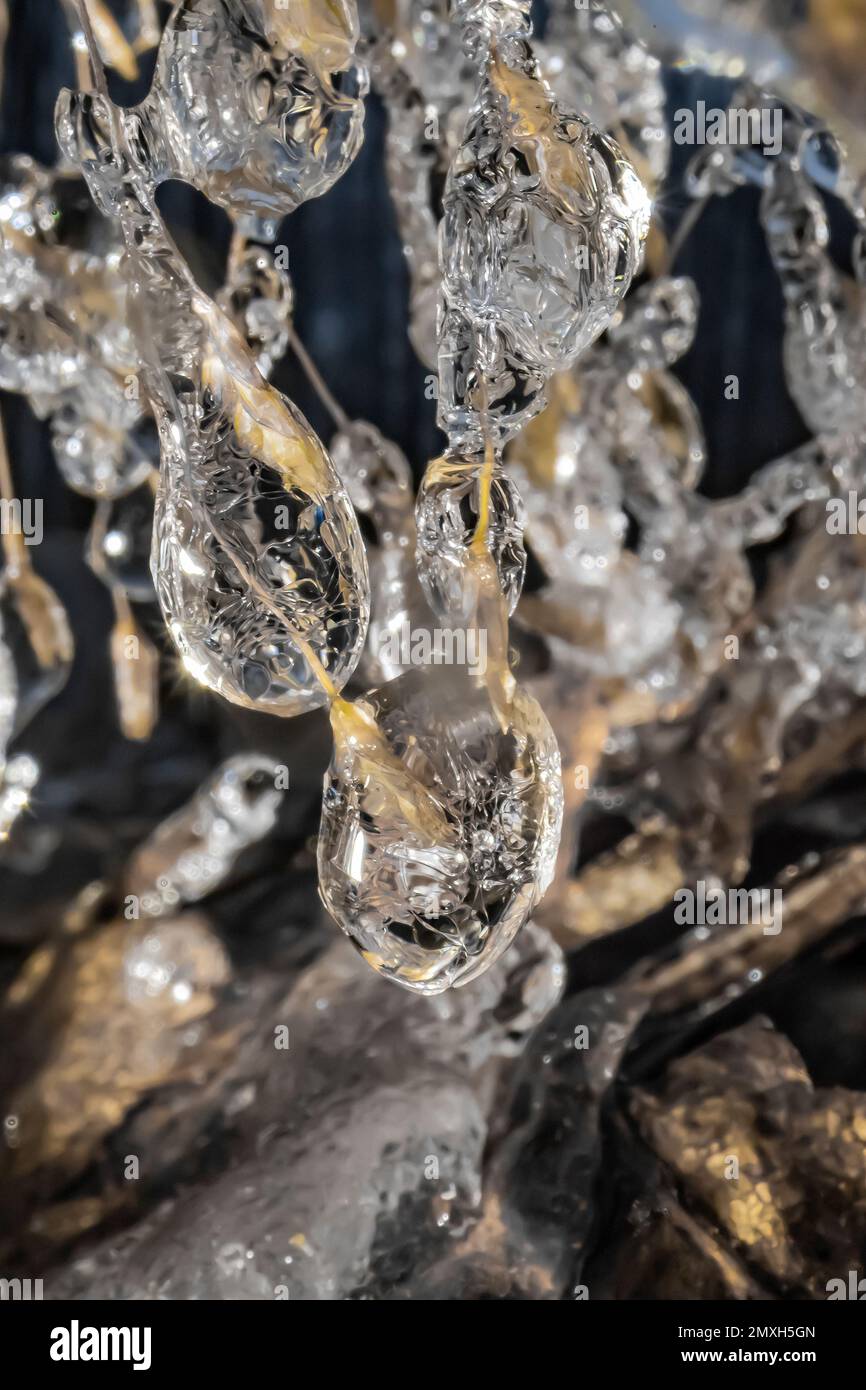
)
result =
(12, 541)
(311, 371)
(684, 231)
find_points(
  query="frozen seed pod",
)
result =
(135, 662)
(257, 557)
(542, 231)
(38, 647)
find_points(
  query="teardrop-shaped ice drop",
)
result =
(102, 449)
(258, 103)
(439, 828)
(447, 516)
(257, 556)
(544, 220)
(825, 324)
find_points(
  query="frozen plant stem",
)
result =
(14, 549)
(314, 376)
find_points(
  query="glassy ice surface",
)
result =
(383, 1147)
(387, 1152)
(378, 478)
(483, 22)
(192, 853)
(65, 342)
(257, 558)
(599, 69)
(447, 515)
(544, 219)
(439, 827)
(259, 105)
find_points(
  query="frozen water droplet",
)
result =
(259, 300)
(439, 827)
(258, 560)
(447, 517)
(259, 106)
(544, 220)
